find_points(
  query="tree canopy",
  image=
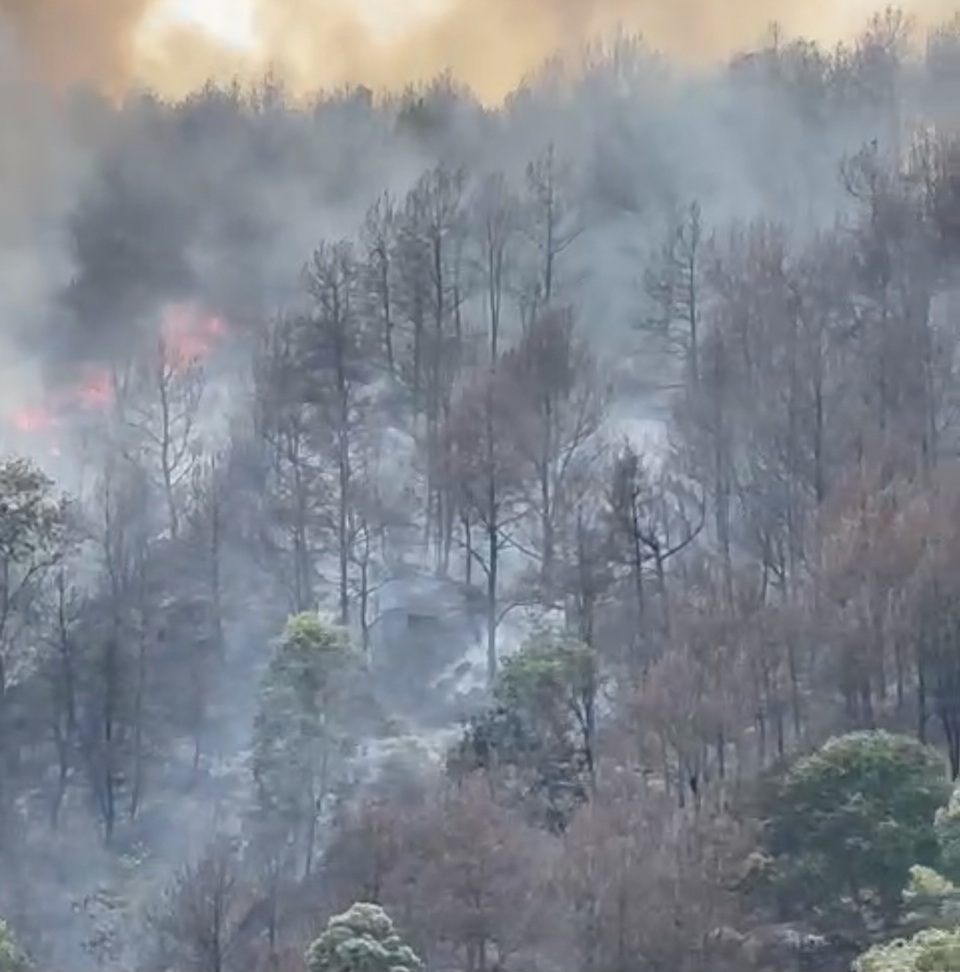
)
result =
(12, 959)
(362, 939)
(849, 821)
(541, 723)
(300, 734)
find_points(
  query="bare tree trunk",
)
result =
(493, 556)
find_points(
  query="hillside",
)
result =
(496, 513)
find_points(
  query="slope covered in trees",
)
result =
(453, 538)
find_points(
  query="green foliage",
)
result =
(12, 958)
(549, 678)
(32, 518)
(300, 733)
(307, 658)
(931, 900)
(848, 822)
(33, 531)
(948, 836)
(542, 725)
(362, 939)
(932, 950)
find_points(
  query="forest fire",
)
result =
(189, 333)
(94, 390)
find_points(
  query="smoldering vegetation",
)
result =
(610, 433)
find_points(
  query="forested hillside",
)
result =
(486, 539)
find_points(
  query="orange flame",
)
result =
(33, 420)
(96, 391)
(190, 333)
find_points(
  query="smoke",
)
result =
(492, 44)
(488, 44)
(39, 167)
(67, 42)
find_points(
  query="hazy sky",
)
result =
(489, 44)
(232, 21)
